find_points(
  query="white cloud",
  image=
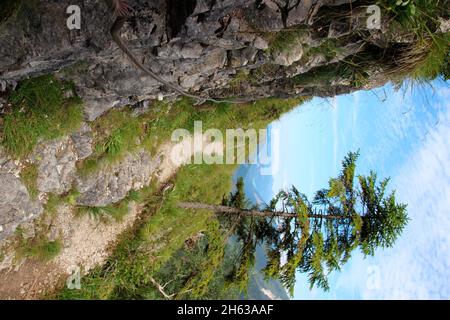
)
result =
(418, 267)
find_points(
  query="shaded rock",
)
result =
(260, 43)
(94, 108)
(8, 165)
(82, 142)
(189, 81)
(16, 206)
(140, 108)
(210, 61)
(242, 57)
(191, 50)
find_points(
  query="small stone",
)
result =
(260, 44)
(287, 56)
(191, 50)
(189, 81)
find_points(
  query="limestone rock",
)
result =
(56, 160)
(203, 41)
(288, 55)
(16, 205)
(82, 142)
(192, 50)
(112, 183)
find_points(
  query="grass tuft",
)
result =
(116, 211)
(286, 38)
(29, 175)
(38, 247)
(428, 56)
(39, 110)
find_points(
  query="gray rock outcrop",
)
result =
(16, 206)
(112, 183)
(200, 45)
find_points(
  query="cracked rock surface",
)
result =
(199, 45)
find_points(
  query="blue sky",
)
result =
(403, 134)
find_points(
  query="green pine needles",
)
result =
(314, 236)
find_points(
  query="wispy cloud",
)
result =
(414, 148)
(335, 131)
(418, 267)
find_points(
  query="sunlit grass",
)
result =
(39, 110)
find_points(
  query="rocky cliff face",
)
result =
(241, 48)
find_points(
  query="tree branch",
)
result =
(161, 289)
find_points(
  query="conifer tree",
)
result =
(314, 237)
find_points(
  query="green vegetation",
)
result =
(52, 204)
(420, 62)
(181, 272)
(115, 134)
(119, 132)
(241, 77)
(317, 236)
(421, 58)
(144, 252)
(71, 197)
(418, 16)
(284, 39)
(39, 111)
(329, 48)
(351, 72)
(38, 247)
(426, 58)
(116, 211)
(29, 175)
(154, 246)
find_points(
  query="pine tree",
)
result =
(314, 237)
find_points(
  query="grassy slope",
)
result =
(149, 249)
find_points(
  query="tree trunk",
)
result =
(253, 213)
